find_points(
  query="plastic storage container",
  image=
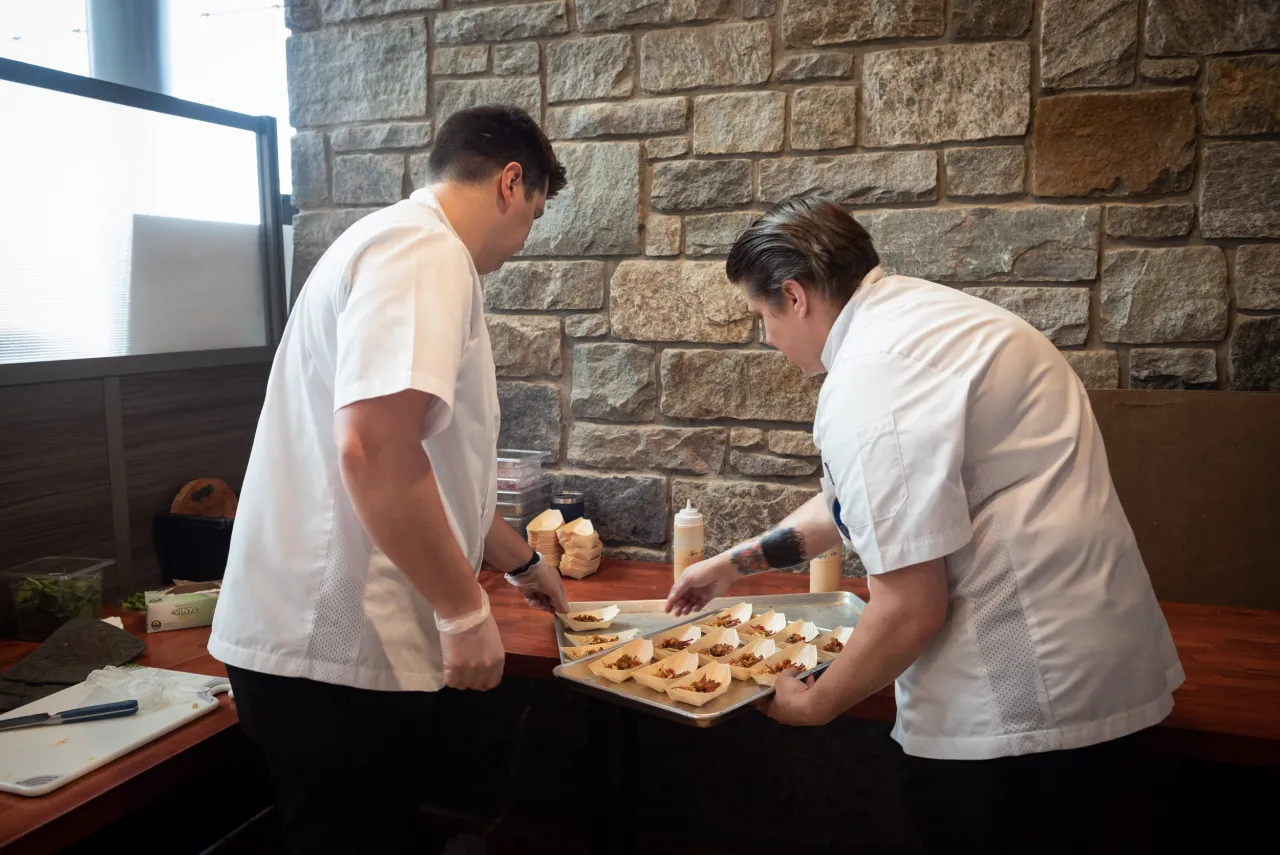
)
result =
(521, 524)
(193, 549)
(520, 503)
(44, 594)
(519, 470)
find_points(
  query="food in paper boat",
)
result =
(796, 632)
(766, 625)
(716, 643)
(681, 639)
(729, 618)
(661, 674)
(840, 636)
(609, 637)
(589, 620)
(576, 653)
(801, 656)
(761, 647)
(618, 664)
(702, 686)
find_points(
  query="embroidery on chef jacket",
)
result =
(835, 504)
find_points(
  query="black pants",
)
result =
(1037, 803)
(347, 765)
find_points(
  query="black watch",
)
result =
(527, 566)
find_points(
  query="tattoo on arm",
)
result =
(781, 547)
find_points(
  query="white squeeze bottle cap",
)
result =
(689, 516)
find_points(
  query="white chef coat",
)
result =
(394, 304)
(950, 427)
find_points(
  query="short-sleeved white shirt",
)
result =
(950, 427)
(394, 304)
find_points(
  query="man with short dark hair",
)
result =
(351, 595)
(962, 462)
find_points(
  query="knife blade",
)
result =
(117, 709)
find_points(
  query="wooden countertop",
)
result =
(83, 806)
(1226, 710)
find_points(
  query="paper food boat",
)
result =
(689, 633)
(731, 617)
(576, 653)
(762, 647)
(577, 569)
(575, 620)
(580, 532)
(549, 521)
(841, 634)
(713, 638)
(682, 664)
(765, 626)
(640, 649)
(608, 638)
(796, 632)
(584, 554)
(803, 654)
(716, 672)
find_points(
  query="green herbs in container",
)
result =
(46, 593)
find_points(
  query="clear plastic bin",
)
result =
(521, 524)
(520, 503)
(46, 593)
(518, 470)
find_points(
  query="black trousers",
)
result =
(347, 765)
(1054, 802)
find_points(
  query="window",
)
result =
(51, 33)
(230, 53)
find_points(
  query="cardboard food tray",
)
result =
(840, 608)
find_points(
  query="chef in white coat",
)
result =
(351, 591)
(962, 463)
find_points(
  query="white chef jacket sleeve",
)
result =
(406, 321)
(897, 434)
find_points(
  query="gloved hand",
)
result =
(542, 587)
(472, 648)
(701, 583)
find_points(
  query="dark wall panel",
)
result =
(179, 426)
(55, 490)
(1199, 477)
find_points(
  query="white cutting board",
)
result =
(38, 760)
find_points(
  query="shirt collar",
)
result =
(844, 320)
(428, 200)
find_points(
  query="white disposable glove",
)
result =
(472, 648)
(542, 587)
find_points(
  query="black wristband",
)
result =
(527, 566)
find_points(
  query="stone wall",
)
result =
(1107, 169)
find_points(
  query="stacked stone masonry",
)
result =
(1109, 170)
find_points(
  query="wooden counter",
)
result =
(1226, 710)
(70, 813)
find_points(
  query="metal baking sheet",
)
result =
(827, 611)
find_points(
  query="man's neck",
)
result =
(466, 207)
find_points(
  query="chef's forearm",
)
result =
(396, 498)
(896, 626)
(806, 533)
(504, 549)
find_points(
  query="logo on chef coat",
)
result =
(835, 504)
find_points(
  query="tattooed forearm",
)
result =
(749, 558)
(781, 547)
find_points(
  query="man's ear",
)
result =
(511, 182)
(795, 294)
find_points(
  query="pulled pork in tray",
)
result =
(715, 651)
(784, 665)
(586, 618)
(675, 644)
(625, 662)
(670, 673)
(726, 621)
(833, 646)
(702, 685)
(746, 660)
